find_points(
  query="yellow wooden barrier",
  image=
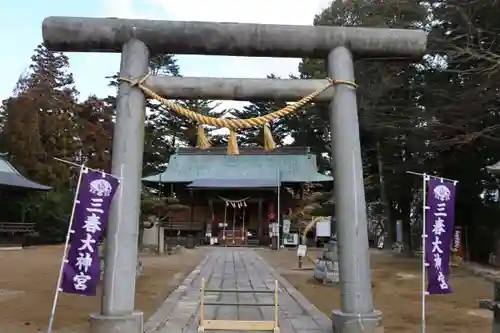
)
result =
(238, 325)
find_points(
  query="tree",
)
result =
(435, 115)
(50, 212)
(386, 104)
(155, 210)
(254, 137)
(461, 102)
(183, 131)
(158, 144)
(314, 202)
(20, 137)
(164, 129)
(95, 127)
(39, 120)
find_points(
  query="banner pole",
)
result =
(424, 241)
(234, 220)
(78, 165)
(224, 224)
(425, 177)
(431, 176)
(278, 215)
(63, 260)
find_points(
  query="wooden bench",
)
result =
(15, 234)
(17, 227)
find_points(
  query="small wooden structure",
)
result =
(238, 325)
(13, 185)
(17, 227)
(16, 233)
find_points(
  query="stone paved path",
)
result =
(231, 268)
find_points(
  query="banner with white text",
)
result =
(81, 273)
(439, 230)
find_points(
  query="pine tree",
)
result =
(164, 129)
(185, 130)
(388, 108)
(254, 137)
(158, 144)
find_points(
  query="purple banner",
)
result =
(439, 230)
(81, 273)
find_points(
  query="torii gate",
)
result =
(137, 40)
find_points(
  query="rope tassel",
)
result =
(232, 124)
(269, 143)
(201, 139)
(232, 144)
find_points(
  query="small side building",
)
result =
(234, 198)
(14, 186)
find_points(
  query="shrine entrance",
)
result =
(233, 231)
(137, 40)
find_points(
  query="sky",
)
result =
(21, 20)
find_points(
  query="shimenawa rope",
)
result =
(232, 124)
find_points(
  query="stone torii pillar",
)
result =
(137, 40)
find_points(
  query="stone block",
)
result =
(327, 272)
(354, 323)
(132, 323)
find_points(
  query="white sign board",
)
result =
(286, 226)
(323, 228)
(273, 229)
(291, 239)
(301, 251)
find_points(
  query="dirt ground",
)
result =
(396, 290)
(28, 279)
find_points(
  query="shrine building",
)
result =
(235, 198)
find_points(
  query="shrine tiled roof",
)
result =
(290, 165)
(9, 176)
